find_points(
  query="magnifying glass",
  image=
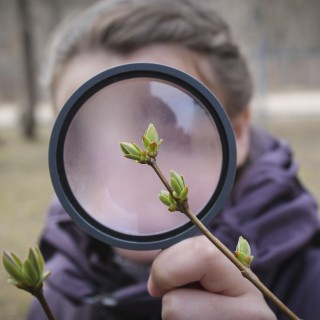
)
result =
(116, 200)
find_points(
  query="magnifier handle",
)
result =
(133, 301)
(126, 295)
(135, 291)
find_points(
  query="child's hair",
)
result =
(122, 26)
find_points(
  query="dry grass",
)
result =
(26, 189)
(25, 192)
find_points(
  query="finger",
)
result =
(189, 304)
(196, 260)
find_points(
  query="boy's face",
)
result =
(85, 66)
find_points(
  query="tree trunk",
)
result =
(28, 74)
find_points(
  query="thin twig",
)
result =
(40, 296)
(153, 164)
(246, 272)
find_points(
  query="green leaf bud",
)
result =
(133, 157)
(32, 257)
(130, 148)
(146, 142)
(175, 186)
(45, 275)
(173, 208)
(14, 270)
(152, 134)
(184, 193)
(17, 261)
(139, 151)
(144, 157)
(179, 179)
(171, 199)
(164, 197)
(30, 273)
(152, 150)
(245, 260)
(243, 252)
(123, 148)
(243, 246)
(39, 258)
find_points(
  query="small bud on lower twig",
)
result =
(167, 199)
(243, 252)
(178, 185)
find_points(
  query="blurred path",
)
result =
(275, 105)
(10, 115)
(288, 104)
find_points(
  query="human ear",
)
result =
(241, 127)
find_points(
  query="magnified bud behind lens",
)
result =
(116, 200)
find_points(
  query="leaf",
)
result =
(45, 275)
(164, 199)
(16, 259)
(12, 267)
(122, 146)
(39, 258)
(171, 199)
(243, 246)
(32, 257)
(175, 185)
(178, 178)
(137, 148)
(152, 134)
(245, 260)
(173, 208)
(243, 252)
(14, 282)
(133, 157)
(130, 148)
(146, 142)
(30, 273)
(153, 147)
(184, 193)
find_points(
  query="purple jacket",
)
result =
(268, 206)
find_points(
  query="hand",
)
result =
(221, 291)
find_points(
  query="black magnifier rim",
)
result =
(87, 90)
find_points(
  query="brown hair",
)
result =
(123, 26)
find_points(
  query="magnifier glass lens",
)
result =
(121, 194)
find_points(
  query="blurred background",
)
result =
(280, 39)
